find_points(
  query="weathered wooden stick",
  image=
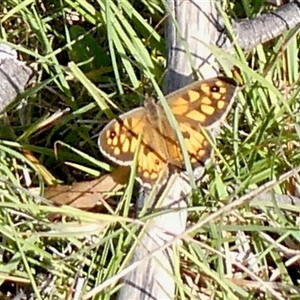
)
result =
(251, 33)
(152, 280)
(14, 75)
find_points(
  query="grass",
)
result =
(46, 260)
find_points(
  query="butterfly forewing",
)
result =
(203, 102)
(118, 139)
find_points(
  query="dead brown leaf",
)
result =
(86, 194)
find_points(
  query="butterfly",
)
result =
(202, 103)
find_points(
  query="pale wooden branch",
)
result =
(251, 33)
(14, 75)
(153, 280)
(203, 22)
(269, 198)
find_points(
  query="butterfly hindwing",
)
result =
(196, 144)
(151, 159)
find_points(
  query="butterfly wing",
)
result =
(152, 159)
(118, 141)
(205, 103)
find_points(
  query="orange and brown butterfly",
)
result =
(203, 103)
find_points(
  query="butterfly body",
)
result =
(165, 136)
(203, 103)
